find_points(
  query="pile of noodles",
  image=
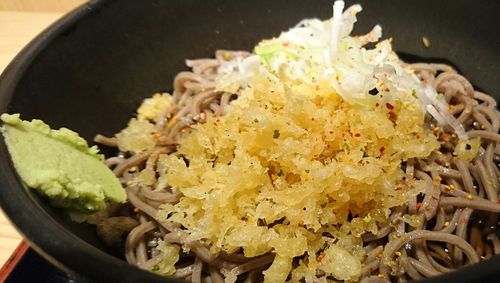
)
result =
(450, 224)
(457, 222)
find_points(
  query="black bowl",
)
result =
(91, 69)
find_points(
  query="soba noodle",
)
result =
(456, 219)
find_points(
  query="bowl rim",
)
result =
(45, 235)
(56, 244)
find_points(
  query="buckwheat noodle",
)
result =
(457, 215)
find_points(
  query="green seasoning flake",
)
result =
(60, 165)
(267, 49)
(346, 146)
(414, 93)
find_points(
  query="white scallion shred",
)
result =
(435, 114)
(316, 50)
(338, 7)
(438, 106)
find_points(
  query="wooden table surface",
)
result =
(16, 30)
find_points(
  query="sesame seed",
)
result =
(426, 42)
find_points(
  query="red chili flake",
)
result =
(389, 106)
(331, 132)
(320, 258)
(428, 208)
(419, 204)
(498, 201)
(381, 149)
(434, 198)
(286, 43)
(445, 137)
(392, 116)
(357, 135)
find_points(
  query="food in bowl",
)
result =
(60, 165)
(313, 158)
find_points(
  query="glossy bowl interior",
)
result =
(90, 70)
